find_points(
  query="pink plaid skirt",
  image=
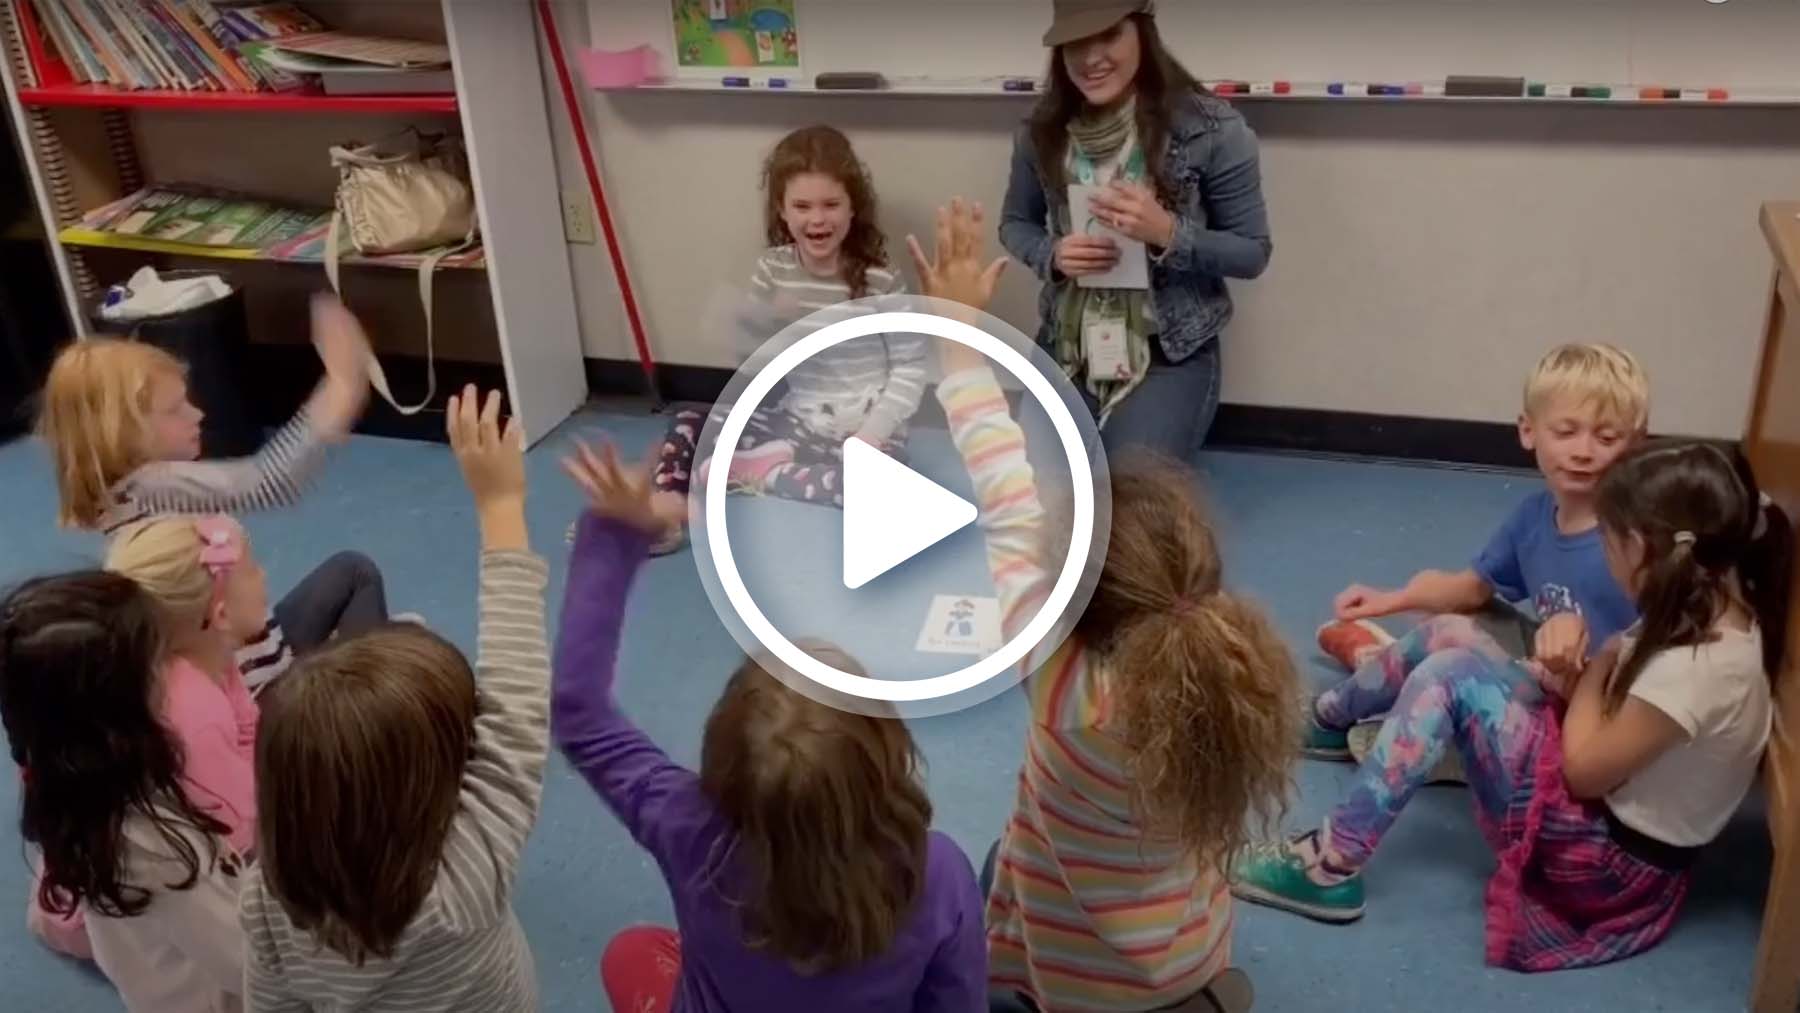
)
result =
(1566, 893)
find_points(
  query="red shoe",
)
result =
(1352, 642)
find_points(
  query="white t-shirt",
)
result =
(1718, 694)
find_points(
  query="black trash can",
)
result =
(213, 341)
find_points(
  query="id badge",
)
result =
(1103, 336)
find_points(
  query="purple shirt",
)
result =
(937, 962)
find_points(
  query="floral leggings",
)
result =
(815, 475)
(1447, 683)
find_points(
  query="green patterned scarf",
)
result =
(1093, 141)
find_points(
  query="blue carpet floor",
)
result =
(1295, 530)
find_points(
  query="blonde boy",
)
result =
(1584, 406)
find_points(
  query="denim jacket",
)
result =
(1221, 228)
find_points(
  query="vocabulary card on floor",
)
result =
(961, 624)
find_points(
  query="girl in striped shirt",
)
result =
(397, 785)
(1159, 730)
(825, 249)
(125, 440)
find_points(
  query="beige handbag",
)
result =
(406, 194)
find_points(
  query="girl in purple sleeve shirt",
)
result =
(799, 858)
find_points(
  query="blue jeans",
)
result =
(1171, 411)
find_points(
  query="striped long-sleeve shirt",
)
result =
(1087, 912)
(869, 385)
(274, 476)
(464, 950)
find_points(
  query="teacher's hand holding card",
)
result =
(1132, 209)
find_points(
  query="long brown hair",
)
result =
(830, 815)
(826, 151)
(1163, 86)
(1203, 691)
(78, 698)
(359, 761)
(1701, 520)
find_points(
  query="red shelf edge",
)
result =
(102, 97)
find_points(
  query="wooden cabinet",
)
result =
(1772, 441)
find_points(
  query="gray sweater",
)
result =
(464, 951)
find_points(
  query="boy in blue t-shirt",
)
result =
(1584, 406)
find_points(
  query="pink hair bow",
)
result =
(221, 543)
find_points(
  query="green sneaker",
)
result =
(1273, 876)
(1322, 743)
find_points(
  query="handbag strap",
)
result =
(427, 267)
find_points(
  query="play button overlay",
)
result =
(892, 513)
(890, 557)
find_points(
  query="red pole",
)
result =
(613, 247)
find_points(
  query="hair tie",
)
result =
(1685, 538)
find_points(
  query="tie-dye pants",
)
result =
(1567, 893)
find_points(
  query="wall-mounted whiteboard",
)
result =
(1741, 44)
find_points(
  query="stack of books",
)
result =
(198, 45)
(202, 221)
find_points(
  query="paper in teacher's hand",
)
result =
(961, 624)
(1133, 269)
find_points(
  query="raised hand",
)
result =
(344, 350)
(493, 465)
(955, 270)
(614, 490)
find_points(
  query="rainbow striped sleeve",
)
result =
(993, 449)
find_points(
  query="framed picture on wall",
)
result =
(742, 36)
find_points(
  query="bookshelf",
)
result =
(102, 97)
(505, 316)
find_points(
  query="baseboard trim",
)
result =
(1239, 426)
(1365, 434)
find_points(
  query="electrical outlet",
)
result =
(578, 218)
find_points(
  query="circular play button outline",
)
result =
(1012, 652)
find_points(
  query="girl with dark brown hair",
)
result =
(1161, 730)
(825, 249)
(800, 858)
(396, 788)
(1177, 170)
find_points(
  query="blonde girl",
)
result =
(125, 441)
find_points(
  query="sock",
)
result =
(1311, 850)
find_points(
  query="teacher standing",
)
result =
(1174, 168)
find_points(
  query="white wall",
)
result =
(1424, 254)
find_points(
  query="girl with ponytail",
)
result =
(1597, 807)
(1161, 730)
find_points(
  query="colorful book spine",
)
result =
(86, 18)
(137, 47)
(42, 49)
(82, 62)
(225, 67)
(186, 47)
(223, 42)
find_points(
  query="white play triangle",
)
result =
(892, 513)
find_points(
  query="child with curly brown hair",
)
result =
(1161, 728)
(825, 249)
